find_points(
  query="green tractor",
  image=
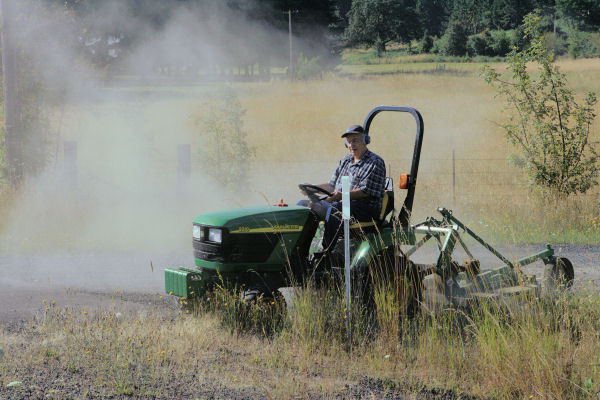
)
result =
(262, 249)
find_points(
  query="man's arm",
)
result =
(355, 194)
(327, 186)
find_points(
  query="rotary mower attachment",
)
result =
(447, 281)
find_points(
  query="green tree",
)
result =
(225, 152)
(472, 16)
(582, 14)
(545, 121)
(455, 40)
(434, 15)
(379, 22)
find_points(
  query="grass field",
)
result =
(127, 135)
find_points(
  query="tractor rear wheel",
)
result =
(395, 284)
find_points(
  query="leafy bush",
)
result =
(480, 44)
(550, 127)
(308, 68)
(500, 43)
(489, 43)
(226, 153)
(556, 42)
(439, 44)
(583, 44)
(455, 40)
(517, 38)
(426, 44)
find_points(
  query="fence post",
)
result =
(184, 167)
(453, 179)
(70, 163)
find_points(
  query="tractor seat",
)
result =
(387, 206)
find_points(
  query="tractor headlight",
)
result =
(215, 235)
(197, 232)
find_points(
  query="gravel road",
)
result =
(95, 280)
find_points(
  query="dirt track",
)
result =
(101, 280)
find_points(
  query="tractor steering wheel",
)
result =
(313, 191)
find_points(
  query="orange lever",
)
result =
(403, 183)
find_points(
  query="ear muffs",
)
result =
(366, 140)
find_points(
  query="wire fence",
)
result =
(461, 178)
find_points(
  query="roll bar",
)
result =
(404, 217)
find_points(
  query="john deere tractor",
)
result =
(262, 249)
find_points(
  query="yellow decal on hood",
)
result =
(268, 229)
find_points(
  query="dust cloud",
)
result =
(70, 222)
(101, 223)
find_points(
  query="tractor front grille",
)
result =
(209, 251)
(237, 248)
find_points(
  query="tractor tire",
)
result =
(558, 275)
(394, 278)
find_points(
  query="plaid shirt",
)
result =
(368, 175)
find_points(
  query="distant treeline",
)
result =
(471, 27)
(249, 37)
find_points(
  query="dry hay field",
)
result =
(96, 340)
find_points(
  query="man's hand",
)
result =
(336, 196)
(355, 194)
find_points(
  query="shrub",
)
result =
(517, 38)
(439, 44)
(456, 40)
(226, 153)
(308, 68)
(583, 44)
(550, 127)
(426, 44)
(500, 43)
(480, 44)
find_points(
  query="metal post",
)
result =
(70, 163)
(453, 178)
(290, 35)
(346, 218)
(184, 166)
(11, 104)
(291, 68)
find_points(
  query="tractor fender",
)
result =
(365, 253)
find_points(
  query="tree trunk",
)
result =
(13, 146)
(380, 46)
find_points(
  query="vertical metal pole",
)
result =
(453, 178)
(290, 34)
(346, 218)
(11, 106)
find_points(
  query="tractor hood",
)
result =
(257, 219)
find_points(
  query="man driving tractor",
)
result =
(367, 184)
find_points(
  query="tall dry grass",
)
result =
(535, 348)
(127, 146)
